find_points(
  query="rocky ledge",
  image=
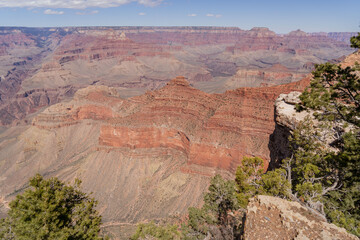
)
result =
(275, 218)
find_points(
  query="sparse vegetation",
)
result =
(151, 231)
(216, 219)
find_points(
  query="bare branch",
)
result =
(332, 187)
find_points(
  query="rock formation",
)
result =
(214, 130)
(275, 75)
(163, 146)
(137, 59)
(274, 218)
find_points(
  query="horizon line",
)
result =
(175, 26)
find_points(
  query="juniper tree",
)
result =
(49, 209)
(327, 178)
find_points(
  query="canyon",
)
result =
(43, 66)
(145, 116)
(162, 145)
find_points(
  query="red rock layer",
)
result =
(213, 130)
(97, 44)
(102, 47)
(275, 75)
(144, 137)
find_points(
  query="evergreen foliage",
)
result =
(327, 177)
(355, 41)
(220, 199)
(251, 181)
(51, 210)
(247, 179)
(335, 92)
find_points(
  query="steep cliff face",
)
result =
(274, 218)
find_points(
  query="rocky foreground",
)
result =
(275, 218)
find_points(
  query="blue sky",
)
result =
(280, 16)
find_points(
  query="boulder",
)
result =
(275, 218)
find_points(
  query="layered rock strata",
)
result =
(137, 59)
(214, 130)
(144, 157)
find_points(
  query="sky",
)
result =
(281, 16)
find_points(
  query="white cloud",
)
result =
(87, 12)
(77, 4)
(192, 15)
(142, 14)
(151, 3)
(214, 15)
(52, 12)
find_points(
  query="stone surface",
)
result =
(285, 112)
(274, 218)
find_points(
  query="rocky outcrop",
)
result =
(274, 218)
(287, 119)
(285, 112)
(213, 130)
